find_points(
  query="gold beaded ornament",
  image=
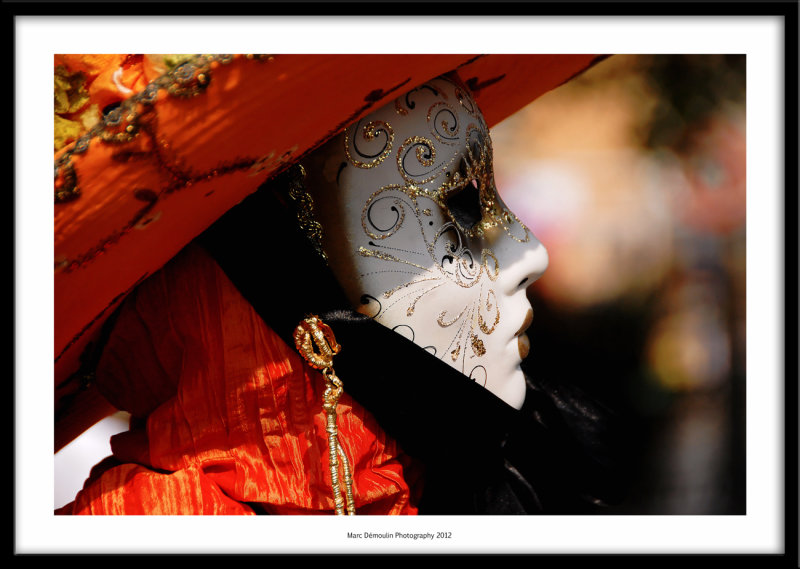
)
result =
(305, 209)
(310, 333)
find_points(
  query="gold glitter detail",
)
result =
(465, 276)
(481, 322)
(477, 345)
(439, 181)
(390, 292)
(420, 152)
(447, 135)
(410, 309)
(401, 214)
(399, 109)
(478, 164)
(369, 132)
(422, 144)
(465, 101)
(485, 255)
(522, 225)
(440, 320)
(364, 252)
(305, 210)
(430, 173)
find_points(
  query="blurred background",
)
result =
(633, 177)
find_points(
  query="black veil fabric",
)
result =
(480, 455)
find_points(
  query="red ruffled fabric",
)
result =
(230, 418)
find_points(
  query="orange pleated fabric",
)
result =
(231, 418)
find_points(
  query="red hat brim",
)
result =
(207, 141)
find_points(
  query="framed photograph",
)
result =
(631, 173)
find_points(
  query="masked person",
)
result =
(349, 339)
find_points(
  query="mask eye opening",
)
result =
(464, 206)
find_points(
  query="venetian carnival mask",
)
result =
(418, 237)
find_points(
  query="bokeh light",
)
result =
(633, 177)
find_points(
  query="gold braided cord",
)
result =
(348, 483)
(311, 333)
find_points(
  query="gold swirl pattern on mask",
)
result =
(440, 320)
(453, 261)
(398, 108)
(413, 305)
(479, 315)
(396, 205)
(477, 159)
(508, 224)
(411, 104)
(489, 304)
(463, 271)
(369, 132)
(486, 254)
(464, 335)
(475, 323)
(466, 102)
(425, 153)
(466, 271)
(444, 124)
(364, 252)
(391, 291)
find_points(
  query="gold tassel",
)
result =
(309, 333)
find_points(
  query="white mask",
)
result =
(419, 239)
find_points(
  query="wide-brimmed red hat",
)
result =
(177, 149)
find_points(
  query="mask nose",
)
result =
(532, 264)
(520, 263)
